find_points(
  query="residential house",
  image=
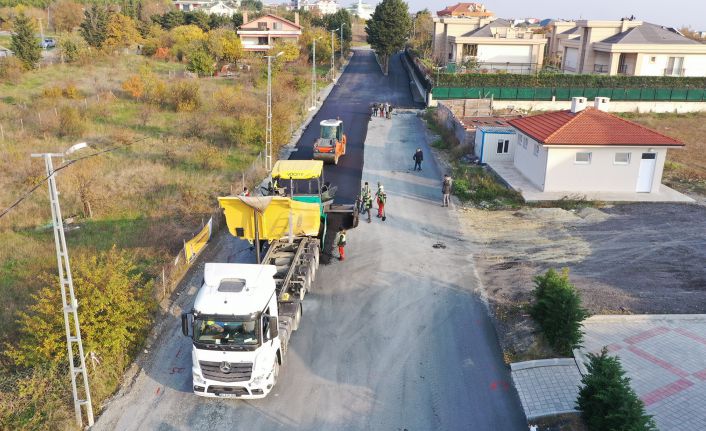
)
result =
(362, 10)
(499, 45)
(495, 143)
(456, 20)
(586, 150)
(627, 47)
(262, 33)
(218, 7)
(327, 7)
(4, 52)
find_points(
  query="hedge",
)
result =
(546, 80)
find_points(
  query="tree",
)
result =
(200, 62)
(122, 32)
(169, 20)
(557, 309)
(606, 400)
(237, 20)
(290, 51)
(388, 29)
(94, 27)
(24, 43)
(186, 38)
(323, 44)
(115, 310)
(218, 21)
(422, 29)
(255, 5)
(335, 20)
(224, 45)
(66, 15)
(72, 47)
(198, 18)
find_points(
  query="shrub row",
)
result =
(546, 80)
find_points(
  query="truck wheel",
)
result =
(275, 372)
(297, 319)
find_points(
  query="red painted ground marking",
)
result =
(655, 360)
(701, 375)
(178, 353)
(504, 385)
(614, 347)
(646, 335)
(157, 391)
(691, 335)
(176, 370)
(666, 391)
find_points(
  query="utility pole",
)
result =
(77, 362)
(313, 76)
(268, 127)
(342, 24)
(333, 57)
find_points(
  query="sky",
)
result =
(673, 13)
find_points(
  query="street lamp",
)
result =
(74, 344)
(268, 127)
(333, 56)
(342, 24)
(313, 75)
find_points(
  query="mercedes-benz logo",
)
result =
(225, 367)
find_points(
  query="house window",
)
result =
(536, 150)
(621, 159)
(653, 60)
(583, 158)
(277, 26)
(523, 138)
(262, 26)
(503, 146)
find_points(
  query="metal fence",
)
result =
(562, 93)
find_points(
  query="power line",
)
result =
(65, 165)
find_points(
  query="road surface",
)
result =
(393, 338)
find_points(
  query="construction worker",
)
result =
(366, 197)
(418, 157)
(340, 242)
(381, 198)
(245, 192)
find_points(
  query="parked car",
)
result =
(47, 42)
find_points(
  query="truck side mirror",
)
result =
(186, 324)
(274, 328)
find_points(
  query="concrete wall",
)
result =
(694, 65)
(448, 119)
(532, 166)
(601, 174)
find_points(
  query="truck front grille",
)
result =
(226, 371)
(229, 390)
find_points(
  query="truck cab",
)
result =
(331, 144)
(235, 331)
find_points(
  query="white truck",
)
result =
(243, 318)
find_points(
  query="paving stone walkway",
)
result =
(665, 357)
(546, 387)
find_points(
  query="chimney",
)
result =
(296, 18)
(245, 17)
(601, 103)
(578, 104)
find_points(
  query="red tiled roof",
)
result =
(589, 127)
(465, 9)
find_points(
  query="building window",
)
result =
(536, 150)
(524, 141)
(503, 146)
(583, 158)
(277, 26)
(653, 60)
(621, 159)
(262, 26)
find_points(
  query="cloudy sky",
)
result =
(675, 13)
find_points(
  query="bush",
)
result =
(201, 63)
(11, 69)
(606, 400)
(71, 92)
(72, 48)
(71, 124)
(52, 92)
(557, 309)
(134, 86)
(185, 96)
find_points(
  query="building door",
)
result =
(646, 173)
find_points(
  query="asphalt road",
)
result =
(393, 338)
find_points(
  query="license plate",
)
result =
(228, 396)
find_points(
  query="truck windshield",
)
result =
(328, 132)
(232, 333)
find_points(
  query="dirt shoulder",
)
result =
(633, 259)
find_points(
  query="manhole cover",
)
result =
(439, 245)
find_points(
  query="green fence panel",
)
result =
(633, 94)
(590, 93)
(474, 92)
(663, 93)
(576, 92)
(679, 94)
(695, 94)
(457, 93)
(440, 92)
(525, 93)
(647, 94)
(562, 93)
(619, 94)
(493, 92)
(605, 92)
(543, 93)
(508, 93)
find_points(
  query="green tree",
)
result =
(24, 43)
(94, 27)
(606, 400)
(224, 45)
(200, 62)
(388, 29)
(237, 20)
(218, 21)
(115, 310)
(557, 309)
(335, 20)
(169, 20)
(198, 18)
(422, 30)
(65, 15)
(122, 32)
(72, 47)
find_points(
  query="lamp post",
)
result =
(74, 345)
(342, 24)
(268, 127)
(333, 56)
(313, 75)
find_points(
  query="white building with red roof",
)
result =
(587, 151)
(262, 33)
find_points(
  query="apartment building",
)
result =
(262, 33)
(627, 47)
(457, 20)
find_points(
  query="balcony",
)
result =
(622, 69)
(601, 68)
(674, 72)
